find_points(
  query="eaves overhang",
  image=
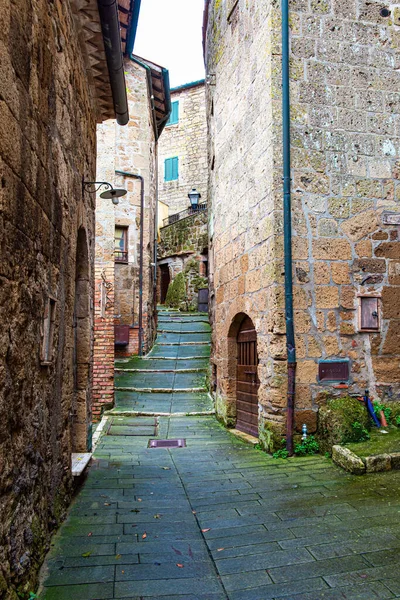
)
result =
(159, 90)
(106, 29)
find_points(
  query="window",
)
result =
(174, 116)
(121, 244)
(171, 168)
(46, 355)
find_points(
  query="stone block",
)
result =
(349, 461)
(306, 371)
(364, 248)
(395, 460)
(361, 225)
(390, 303)
(380, 462)
(370, 265)
(326, 297)
(388, 250)
(332, 249)
(340, 272)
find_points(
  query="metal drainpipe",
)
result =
(110, 27)
(156, 239)
(287, 229)
(126, 174)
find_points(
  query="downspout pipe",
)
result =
(287, 229)
(140, 178)
(108, 12)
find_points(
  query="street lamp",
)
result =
(110, 193)
(194, 197)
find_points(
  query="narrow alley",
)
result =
(215, 519)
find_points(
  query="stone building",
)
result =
(55, 86)
(345, 144)
(183, 148)
(183, 166)
(126, 238)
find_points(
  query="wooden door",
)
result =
(165, 280)
(247, 382)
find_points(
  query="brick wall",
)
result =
(345, 152)
(188, 140)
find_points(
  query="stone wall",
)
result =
(187, 140)
(133, 150)
(183, 247)
(47, 145)
(345, 152)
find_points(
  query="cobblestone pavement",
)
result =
(221, 520)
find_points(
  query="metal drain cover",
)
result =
(167, 443)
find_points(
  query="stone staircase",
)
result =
(171, 379)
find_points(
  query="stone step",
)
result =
(194, 370)
(167, 390)
(147, 413)
(183, 343)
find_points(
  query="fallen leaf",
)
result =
(122, 571)
(118, 556)
(179, 565)
(194, 512)
(86, 554)
(205, 530)
(144, 536)
(176, 551)
(135, 510)
(90, 534)
(139, 499)
(107, 504)
(166, 468)
(157, 516)
(220, 549)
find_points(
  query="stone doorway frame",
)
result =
(82, 327)
(232, 352)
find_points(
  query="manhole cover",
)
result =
(167, 443)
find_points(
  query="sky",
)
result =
(170, 34)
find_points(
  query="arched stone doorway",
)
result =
(81, 426)
(247, 382)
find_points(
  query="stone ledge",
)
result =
(79, 462)
(348, 460)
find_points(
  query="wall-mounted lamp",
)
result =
(110, 192)
(194, 197)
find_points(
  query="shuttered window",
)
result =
(171, 168)
(174, 116)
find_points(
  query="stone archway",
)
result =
(81, 426)
(242, 373)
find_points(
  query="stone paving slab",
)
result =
(196, 514)
(217, 519)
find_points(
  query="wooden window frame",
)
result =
(173, 119)
(47, 333)
(171, 158)
(359, 317)
(125, 258)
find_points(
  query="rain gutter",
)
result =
(130, 42)
(126, 174)
(110, 27)
(287, 229)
